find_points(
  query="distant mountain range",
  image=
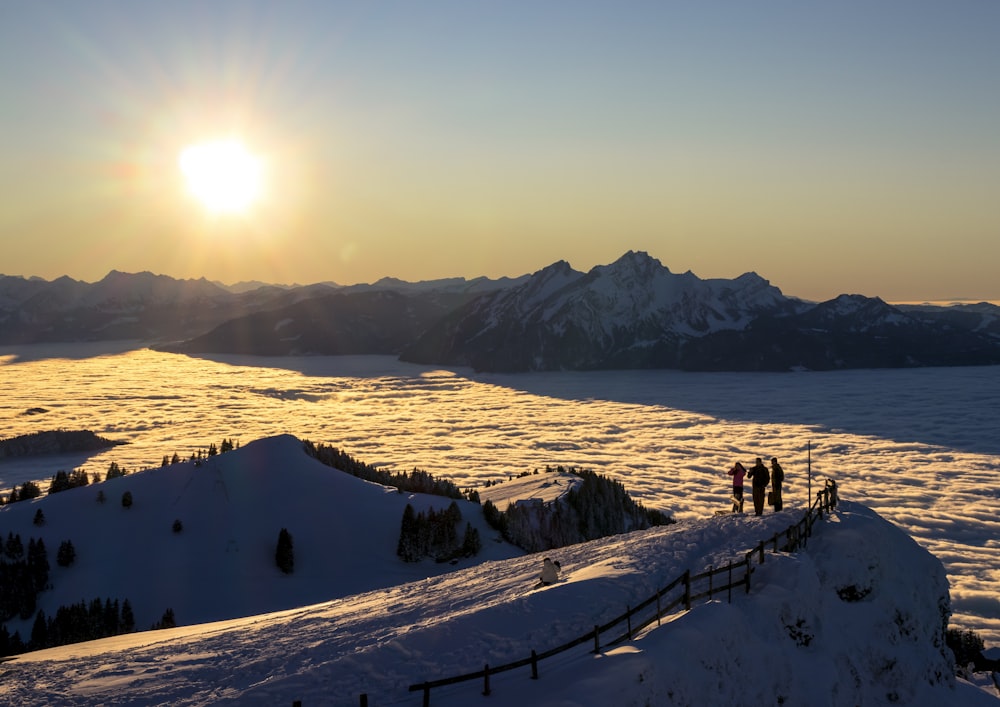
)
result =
(633, 313)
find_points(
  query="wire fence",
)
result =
(684, 591)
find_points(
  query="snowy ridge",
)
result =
(792, 640)
(633, 313)
(231, 507)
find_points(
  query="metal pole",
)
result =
(809, 462)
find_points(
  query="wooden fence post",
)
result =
(486, 679)
(730, 582)
(534, 665)
(628, 619)
(364, 700)
(749, 555)
(711, 576)
(761, 552)
(597, 640)
(658, 609)
(427, 696)
(687, 590)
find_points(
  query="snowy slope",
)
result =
(545, 487)
(232, 507)
(792, 640)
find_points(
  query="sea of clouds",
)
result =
(920, 446)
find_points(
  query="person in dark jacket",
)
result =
(777, 476)
(758, 474)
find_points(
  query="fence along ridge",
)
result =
(796, 535)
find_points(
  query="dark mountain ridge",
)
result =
(631, 314)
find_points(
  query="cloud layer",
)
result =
(921, 446)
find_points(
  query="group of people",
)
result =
(760, 478)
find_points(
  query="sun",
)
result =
(222, 174)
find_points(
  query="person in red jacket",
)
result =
(760, 477)
(738, 472)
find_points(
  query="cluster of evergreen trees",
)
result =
(63, 481)
(199, 455)
(78, 622)
(23, 574)
(435, 534)
(416, 481)
(27, 491)
(594, 508)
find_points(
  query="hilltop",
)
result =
(231, 508)
(858, 615)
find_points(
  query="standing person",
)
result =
(777, 476)
(738, 472)
(760, 479)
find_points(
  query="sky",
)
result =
(382, 625)
(831, 148)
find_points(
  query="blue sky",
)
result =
(848, 147)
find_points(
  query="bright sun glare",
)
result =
(222, 174)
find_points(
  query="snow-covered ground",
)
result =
(920, 447)
(792, 640)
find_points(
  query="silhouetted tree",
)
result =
(40, 631)
(39, 518)
(66, 554)
(127, 499)
(407, 547)
(29, 490)
(128, 618)
(177, 526)
(166, 621)
(966, 645)
(114, 472)
(471, 544)
(284, 554)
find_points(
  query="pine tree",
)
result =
(39, 517)
(40, 632)
(14, 547)
(166, 621)
(471, 544)
(128, 618)
(127, 499)
(284, 554)
(114, 472)
(29, 489)
(38, 563)
(66, 554)
(407, 546)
